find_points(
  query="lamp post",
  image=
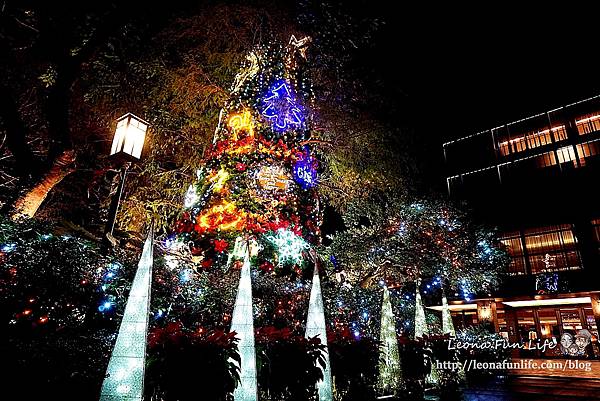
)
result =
(127, 146)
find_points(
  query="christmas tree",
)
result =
(256, 187)
(254, 205)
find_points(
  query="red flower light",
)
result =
(220, 245)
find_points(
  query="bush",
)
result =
(53, 337)
(184, 365)
(289, 365)
(354, 365)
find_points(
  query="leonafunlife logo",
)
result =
(575, 345)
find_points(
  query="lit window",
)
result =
(566, 154)
(588, 123)
(514, 246)
(587, 149)
(533, 140)
(552, 248)
(546, 159)
(596, 227)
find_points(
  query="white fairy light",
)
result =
(289, 245)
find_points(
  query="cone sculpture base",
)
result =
(242, 323)
(315, 326)
(390, 371)
(125, 374)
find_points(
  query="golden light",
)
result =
(548, 302)
(273, 178)
(455, 307)
(218, 180)
(241, 122)
(130, 135)
(484, 312)
(224, 216)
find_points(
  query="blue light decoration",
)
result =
(305, 170)
(8, 247)
(334, 262)
(281, 108)
(546, 283)
(105, 306)
(186, 275)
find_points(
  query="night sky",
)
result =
(460, 71)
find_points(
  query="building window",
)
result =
(514, 246)
(552, 248)
(546, 159)
(588, 123)
(571, 320)
(566, 154)
(596, 227)
(548, 323)
(532, 140)
(526, 325)
(587, 149)
(591, 321)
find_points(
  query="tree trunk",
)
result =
(28, 204)
(15, 130)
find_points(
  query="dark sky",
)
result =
(455, 72)
(468, 70)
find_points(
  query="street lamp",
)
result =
(127, 146)
(129, 136)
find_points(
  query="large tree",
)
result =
(401, 240)
(47, 48)
(173, 69)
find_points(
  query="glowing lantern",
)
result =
(130, 135)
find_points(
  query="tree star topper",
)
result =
(281, 108)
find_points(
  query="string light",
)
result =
(241, 122)
(289, 246)
(281, 108)
(191, 197)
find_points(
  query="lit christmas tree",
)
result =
(254, 204)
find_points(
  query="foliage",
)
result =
(195, 299)
(481, 334)
(354, 366)
(289, 365)
(51, 285)
(182, 361)
(174, 65)
(399, 240)
(178, 80)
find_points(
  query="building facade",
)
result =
(535, 179)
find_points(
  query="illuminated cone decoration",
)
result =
(390, 370)
(420, 322)
(315, 326)
(124, 379)
(242, 323)
(447, 324)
